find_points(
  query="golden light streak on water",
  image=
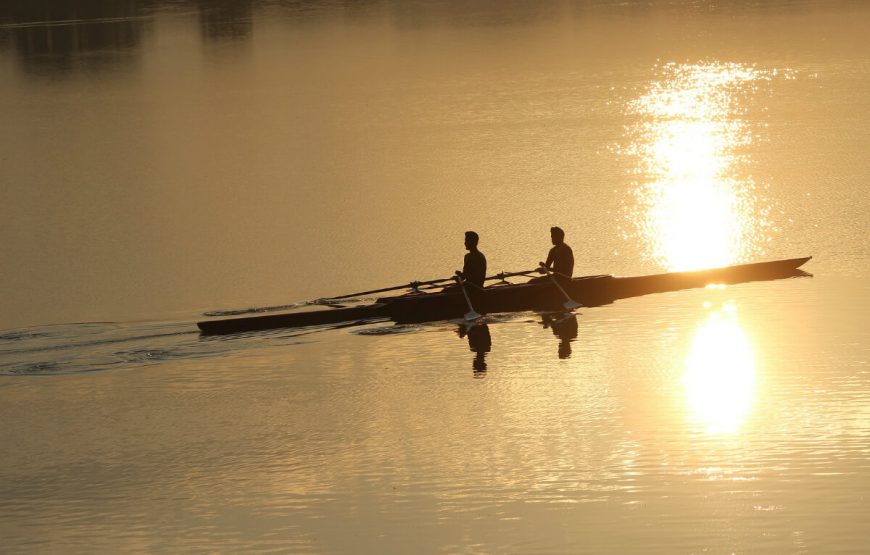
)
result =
(720, 374)
(695, 208)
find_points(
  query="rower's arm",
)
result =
(550, 257)
(465, 268)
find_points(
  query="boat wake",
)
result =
(391, 329)
(89, 347)
(93, 347)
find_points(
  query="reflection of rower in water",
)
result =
(564, 327)
(480, 342)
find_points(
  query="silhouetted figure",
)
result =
(480, 343)
(560, 258)
(474, 267)
(564, 326)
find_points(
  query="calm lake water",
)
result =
(161, 159)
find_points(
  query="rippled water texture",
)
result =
(164, 160)
(697, 206)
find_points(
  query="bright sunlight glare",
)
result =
(694, 212)
(720, 373)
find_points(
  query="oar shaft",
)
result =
(503, 275)
(556, 283)
(394, 288)
(416, 284)
(559, 285)
(471, 315)
(464, 292)
(412, 285)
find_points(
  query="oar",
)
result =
(500, 276)
(414, 285)
(325, 300)
(417, 284)
(570, 304)
(471, 314)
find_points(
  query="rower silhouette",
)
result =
(480, 343)
(474, 265)
(560, 259)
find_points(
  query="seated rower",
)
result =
(474, 265)
(560, 259)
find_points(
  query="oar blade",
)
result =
(471, 316)
(571, 304)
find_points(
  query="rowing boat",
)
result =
(537, 295)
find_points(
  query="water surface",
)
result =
(164, 159)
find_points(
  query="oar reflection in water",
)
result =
(564, 326)
(480, 343)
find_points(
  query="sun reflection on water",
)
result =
(720, 374)
(695, 209)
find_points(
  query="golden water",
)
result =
(160, 159)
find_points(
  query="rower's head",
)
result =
(557, 235)
(471, 239)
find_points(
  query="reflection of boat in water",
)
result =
(539, 295)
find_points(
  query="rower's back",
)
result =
(560, 258)
(474, 266)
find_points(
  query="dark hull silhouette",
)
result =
(541, 295)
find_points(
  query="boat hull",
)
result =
(539, 294)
